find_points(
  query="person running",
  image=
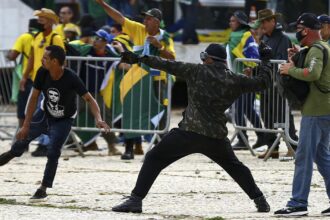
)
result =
(59, 86)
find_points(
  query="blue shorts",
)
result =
(22, 99)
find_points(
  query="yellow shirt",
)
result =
(138, 34)
(39, 48)
(60, 29)
(23, 46)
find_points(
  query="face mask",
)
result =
(299, 36)
(40, 27)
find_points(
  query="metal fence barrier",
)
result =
(265, 112)
(7, 107)
(134, 105)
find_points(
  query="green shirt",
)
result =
(317, 103)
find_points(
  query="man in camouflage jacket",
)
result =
(212, 88)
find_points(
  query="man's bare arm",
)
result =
(95, 109)
(12, 55)
(27, 71)
(113, 13)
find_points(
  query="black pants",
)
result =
(178, 144)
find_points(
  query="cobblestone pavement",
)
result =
(192, 188)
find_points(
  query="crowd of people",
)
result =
(212, 88)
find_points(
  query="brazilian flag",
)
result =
(141, 108)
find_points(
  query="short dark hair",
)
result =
(56, 52)
(117, 26)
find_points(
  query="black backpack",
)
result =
(295, 90)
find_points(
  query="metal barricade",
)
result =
(132, 103)
(8, 121)
(263, 112)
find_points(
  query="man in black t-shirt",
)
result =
(59, 86)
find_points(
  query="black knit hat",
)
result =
(217, 52)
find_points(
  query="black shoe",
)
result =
(5, 158)
(240, 146)
(262, 204)
(326, 212)
(41, 151)
(131, 204)
(292, 211)
(39, 196)
(127, 156)
(129, 153)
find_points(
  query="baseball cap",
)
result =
(324, 19)
(308, 20)
(241, 17)
(104, 35)
(154, 12)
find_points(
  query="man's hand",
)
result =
(104, 125)
(248, 71)
(265, 52)
(129, 57)
(293, 50)
(154, 42)
(22, 84)
(117, 46)
(22, 133)
(284, 68)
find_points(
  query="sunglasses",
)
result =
(99, 38)
(204, 55)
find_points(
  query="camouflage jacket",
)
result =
(212, 88)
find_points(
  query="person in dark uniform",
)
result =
(212, 88)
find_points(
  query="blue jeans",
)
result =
(58, 131)
(313, 146)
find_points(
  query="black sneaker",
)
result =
(41, 151)
(326, 212)
(131, 204)
(292, 211)
(262, 204)
(5, 158)
(39, 196)
(240, 146)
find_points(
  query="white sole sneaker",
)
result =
(294, 214)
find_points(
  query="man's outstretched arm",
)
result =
(113, 13)
(173, 67)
